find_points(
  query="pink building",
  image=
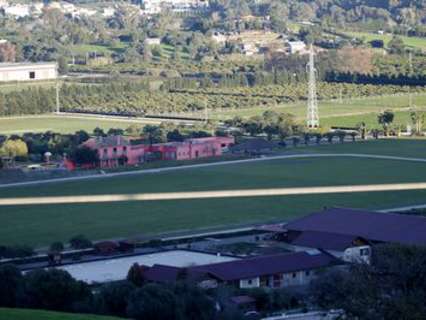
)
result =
(116, 151)
(192, 148)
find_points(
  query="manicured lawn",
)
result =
(27, 314)
(19, 125)
(41, 224)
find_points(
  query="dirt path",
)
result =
(211, 194)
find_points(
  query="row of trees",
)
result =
(77, 242)
(125, 98)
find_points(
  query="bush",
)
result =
(152, 302)
(10, 279)
(16, 252)
(56, 246)
(80, 242)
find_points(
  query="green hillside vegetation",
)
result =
(413, 42)
(28, 314)
(111, 220)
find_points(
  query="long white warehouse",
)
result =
(28, 71)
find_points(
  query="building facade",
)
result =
(114, 151)
(28, 71)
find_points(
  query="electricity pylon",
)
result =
(312, 114)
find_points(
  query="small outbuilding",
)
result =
(28, 71)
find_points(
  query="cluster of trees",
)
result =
(392, 287)
(386, 118)
(35, 145)
(378, 79)
(283, 125)
(77, 242)
(13, 148)
(270, 123)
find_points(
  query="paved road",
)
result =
(211, 194)
(214, 164)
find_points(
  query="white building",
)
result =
(18, 11)
(28, 71)
(156, 6)
(152, 41)
(294, 47)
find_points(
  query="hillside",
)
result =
(23, 314)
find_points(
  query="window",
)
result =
(249, 281)
(124, 149)
(105, 151)
(114, 150)
(293, 275)
(308, 273)
(364, 252)
(32, 74)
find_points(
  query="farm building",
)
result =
(116, 269)
(294, 47)
(27, 71)
(372, 226)
(116, 151)
(350, 234)
(272, 271)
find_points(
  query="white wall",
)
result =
(250, 283)
(22, 73)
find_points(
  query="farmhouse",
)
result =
(27, 71)
(273, 271)
(116, 151)
(294, 47)
(191, 148)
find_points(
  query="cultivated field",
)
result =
(28, 314)
(42, 224)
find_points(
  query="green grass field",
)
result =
(42, 224)
(339, 113)
(414, 42)
(19, 125)
(28, 314)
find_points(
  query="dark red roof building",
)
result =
(339, 225)
(281, 270)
